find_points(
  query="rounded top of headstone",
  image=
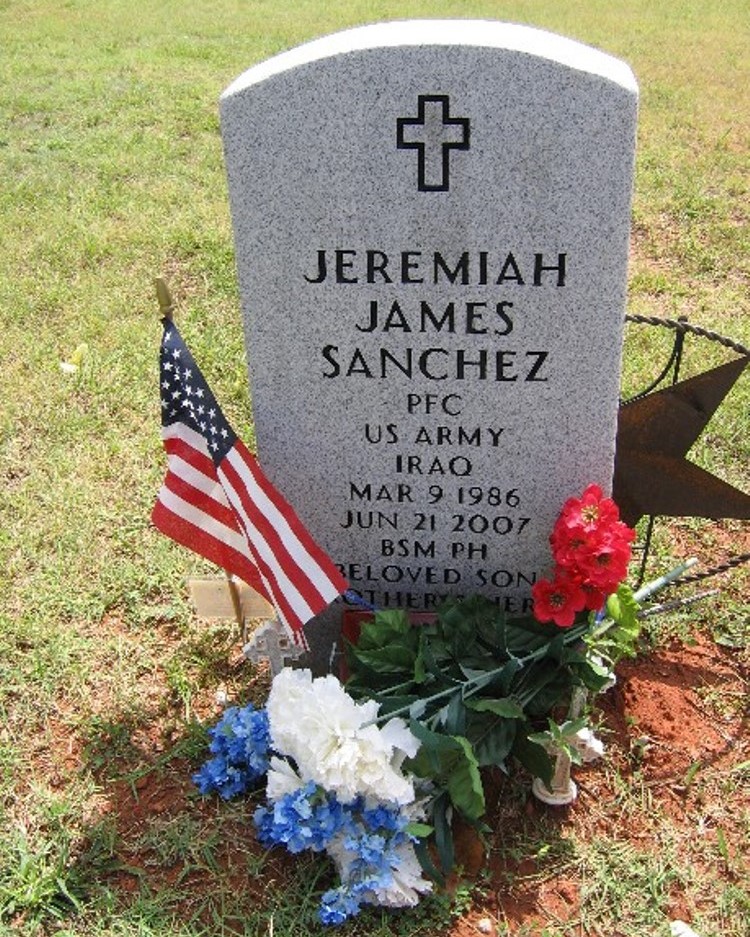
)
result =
(489, 34)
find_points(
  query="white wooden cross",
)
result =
(269, 642)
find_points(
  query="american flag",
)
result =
(216, 501)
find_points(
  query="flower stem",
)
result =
(472, 685)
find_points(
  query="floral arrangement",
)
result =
(373, 774)
(334, 783)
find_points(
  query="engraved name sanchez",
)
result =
(477, 317)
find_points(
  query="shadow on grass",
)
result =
(156, 858)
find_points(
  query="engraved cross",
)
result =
(433, 133)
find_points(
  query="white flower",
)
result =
(681, 929)
(334, 740)
(281, 779)
(407, 882)
(399, 736)
(588, 745)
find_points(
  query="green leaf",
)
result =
(619, 633)
(436, 755)
(420, 673)
(432, 740)
(506, 676)
(591, 674)
(443, 832)
(507, 708)
(497, 679)
(386, 628)
(494, 740)
(454, 719)
(429, 656)
(570, 727)
(477, 675)
(561, 737)
(393, 659)
(556, 647)
(623, 608)
(442, 814)
(465, 783)
(533, 757)
(389, 704)
(449, 760)
(422, 830)
(395, 620)
(425, 861)
(551, 684)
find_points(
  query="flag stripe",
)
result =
(283, 592)
(191, 502)
(284, 529)
(193, 515)
(280, 591)
(187, 459)
(268, 576)
(290, 549)
(209, 488)
(183, 441)
(193, 496)
(188, 534)
(301, 548)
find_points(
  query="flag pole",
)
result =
(234, 592)
(166, 306)
(166, 311)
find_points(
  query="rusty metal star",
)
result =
(654, 434)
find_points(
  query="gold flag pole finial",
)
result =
(166, 307)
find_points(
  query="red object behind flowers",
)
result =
(591, 548)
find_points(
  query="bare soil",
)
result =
(674, 725)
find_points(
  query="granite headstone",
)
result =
(431, 225)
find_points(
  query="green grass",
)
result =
(110, 157)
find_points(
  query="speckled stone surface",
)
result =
(431, 226)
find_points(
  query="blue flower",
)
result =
(219, 776)
(240, 742)
(367, 844)
(338, 904)
(304, 819)
(368, 847)
(207, 778)
(383, 817)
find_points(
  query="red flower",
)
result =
(605, 564)
(589, 512)
(591, 548)
(558, 601)
(595, 598)
(568, 544)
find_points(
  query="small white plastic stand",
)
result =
(563, 789)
